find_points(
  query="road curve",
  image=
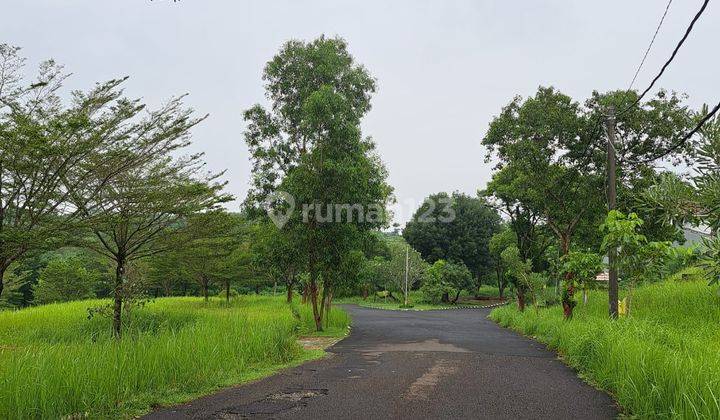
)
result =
(415, 364)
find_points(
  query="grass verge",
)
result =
(486, 295)
(55, 362)
(660, 362)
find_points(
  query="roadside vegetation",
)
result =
(657, 353)
(661, 362)
(124, 280)
(55, 362)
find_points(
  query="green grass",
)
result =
(55, 362)
(663, 361)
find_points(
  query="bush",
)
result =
(65, 279)
(445, 279)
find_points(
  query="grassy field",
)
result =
(663, 361)
(415, 299)
(55, 362)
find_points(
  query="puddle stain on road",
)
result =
(423, 386)
(433, 345)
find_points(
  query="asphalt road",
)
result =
(413, 365)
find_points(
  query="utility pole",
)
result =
(612, 203)
(407, 269)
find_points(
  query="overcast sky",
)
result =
(444, 68)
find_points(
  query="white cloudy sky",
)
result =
(444, 67)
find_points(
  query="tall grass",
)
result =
(55, 362)
(663, 361)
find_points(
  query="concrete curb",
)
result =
(441, 308)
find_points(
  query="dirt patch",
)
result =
(317, 343)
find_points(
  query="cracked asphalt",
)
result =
(415, 365)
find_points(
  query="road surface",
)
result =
(413, 365)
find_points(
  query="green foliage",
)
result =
(445, 279)
(499, 242)
(528, 138)
(96, 156)
(583, 267)
(389, 273)
(518, 269)
(454, 227)
(309, 144)
(710, 259)
(177, 349)
(63, 280)
(661, 362)
(694, 199)
(639, 260)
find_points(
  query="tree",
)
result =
(65, 279)
(275, 253)
(638, 260)
(519, 271)
(209, 246)
(499, 243)
(528, 137)
(168, 271)
(445, 279)
(142, 208)
(310, 145)
(582, 267)
(389, 272)
(454, 227)
(278, 138)
(55, 159)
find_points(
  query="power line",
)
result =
(684, 138)
(672, 57)
(652, 41)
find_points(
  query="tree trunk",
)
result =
(290, 282)
(323, 300)
(2, 278)
(568, 303)
(317, 315)
(501, 286)
(305, 293)
(257, 289)
(445, 298)
(289, 293)
(314, 300)
(328, 303)
(521, 300)
(118, 300)
(457, 296)
(365, 292)
(227, 291)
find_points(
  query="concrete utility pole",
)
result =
(612, 199)
(407, 269)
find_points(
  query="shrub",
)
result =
(445, 279)
(65, 279)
